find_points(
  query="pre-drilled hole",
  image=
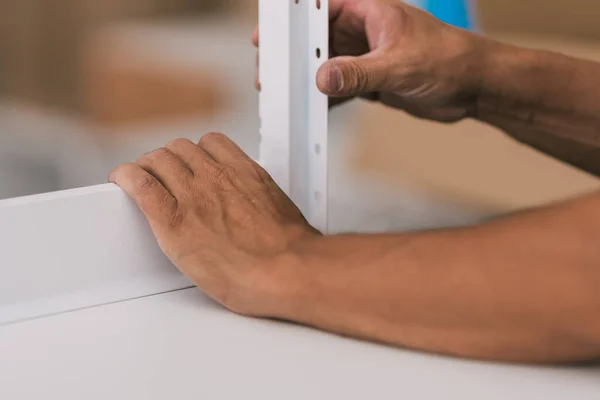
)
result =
(317, 149)
(317, 196)
(318, 53)
(318, 4)
(297, 1)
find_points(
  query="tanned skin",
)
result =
(524, 288)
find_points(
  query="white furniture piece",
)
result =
(78, 248)
(91, 309)
(294, 38)
(182, 346)
(99, 229)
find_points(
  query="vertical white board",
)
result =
(294, 43)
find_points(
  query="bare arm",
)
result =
(546, 100)
(406, 59)
(525, 288)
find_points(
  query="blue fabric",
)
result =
(453, 12)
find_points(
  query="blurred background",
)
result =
(87, 84)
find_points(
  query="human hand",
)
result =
(219, 217)
(400, 55)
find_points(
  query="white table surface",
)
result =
(181, 345)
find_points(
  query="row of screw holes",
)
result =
(318, 8)
(317, 146)
(318, 4)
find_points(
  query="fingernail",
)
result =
(336, 80)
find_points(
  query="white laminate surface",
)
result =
(73, 249)
(182, 346)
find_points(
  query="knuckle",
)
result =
(157, 155)
(245, 162)
(121, 170)
(176, 217)
(400, 11)
(263, 175)
(221, 174)
(147, 184)
(213, 137)
(360, 77)
(178, 143)
(184, 180)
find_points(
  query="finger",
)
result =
(153, 199)
(255, 37)
(352, 76)
(223, 149)
(190, 153)
(168, 169)
(335, 8)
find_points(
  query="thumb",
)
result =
(351, 76)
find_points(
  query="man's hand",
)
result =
(402, 56)
(218, 216)
(522, 288)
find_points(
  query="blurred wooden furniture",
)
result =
(137, 74)
(568, 18)
(125, 85)
(40, 41)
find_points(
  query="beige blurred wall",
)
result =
(40, 41)
(40, 54)
(575, 18)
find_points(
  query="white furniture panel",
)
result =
(294, 113)
(77, 248)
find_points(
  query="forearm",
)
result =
(546, 100)
(519, 289)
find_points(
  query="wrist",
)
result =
(287, 281)
(507, 75)
(474, 64)
(458, 74)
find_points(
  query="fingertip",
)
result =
(125, 176)
(116, 173)
(255, 39)
(153, 199)
(323, 78)
(330, 78)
